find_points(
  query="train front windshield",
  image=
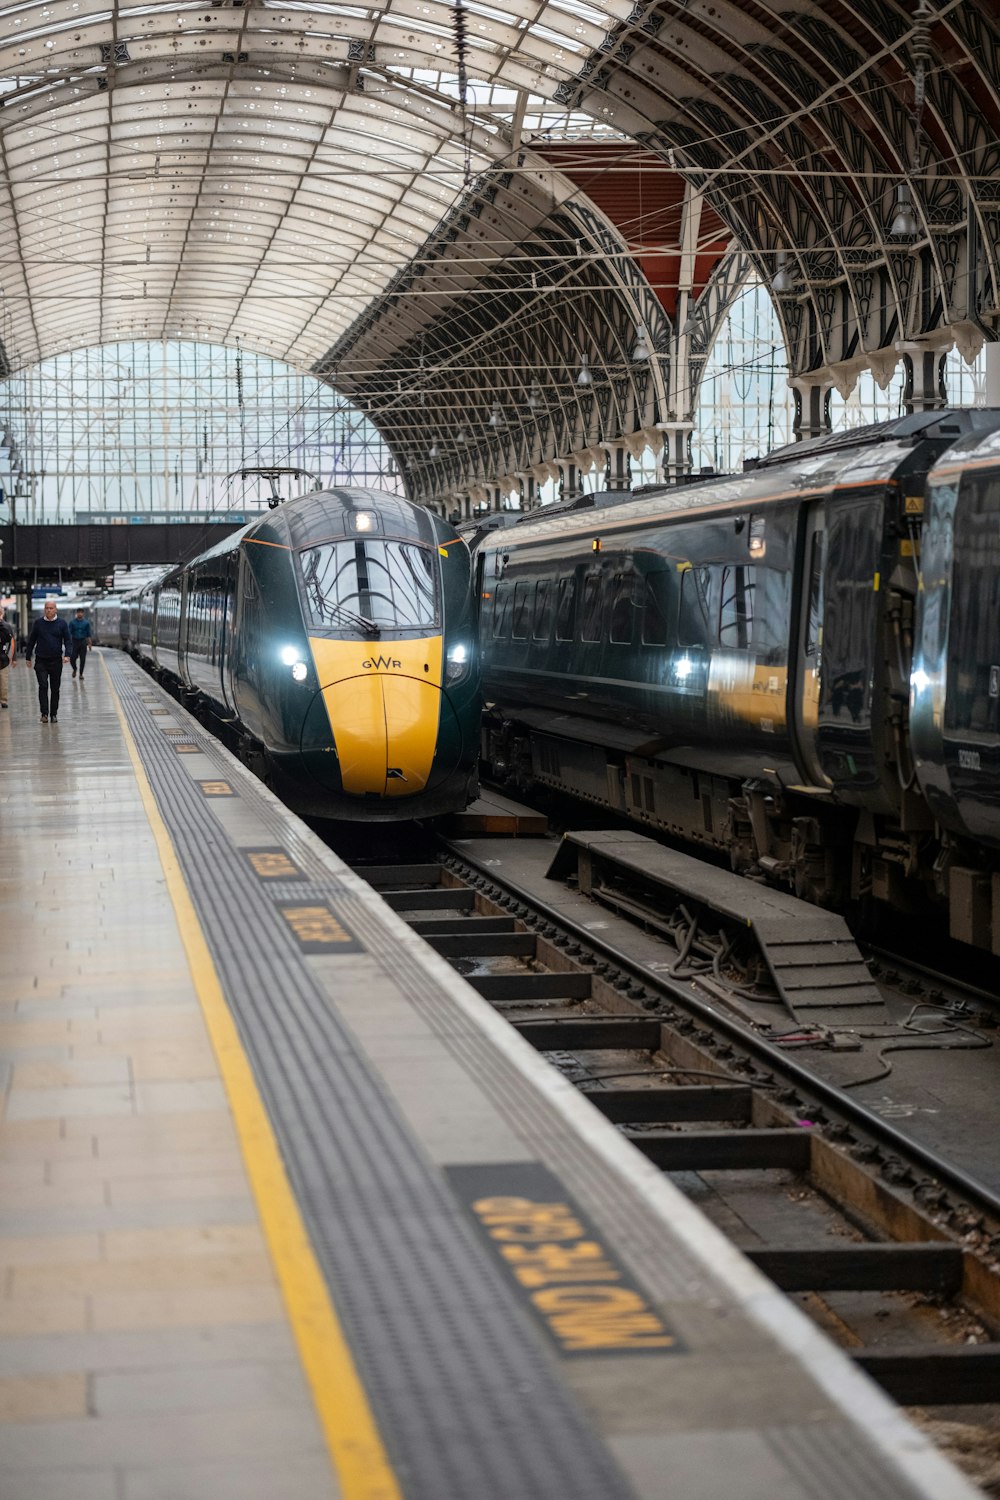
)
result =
(369, 584)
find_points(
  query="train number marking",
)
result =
(382, 664)
(995, 682)
(317, 930)
(968, 760)
(272, 864)
(216, 789)
(586, 1301)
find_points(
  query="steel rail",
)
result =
(775, 1059)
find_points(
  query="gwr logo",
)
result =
(382, 663)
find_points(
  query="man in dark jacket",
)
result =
(49, 643)
(79, 629)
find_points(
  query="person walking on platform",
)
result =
(7, 648)
(80, 630)
(49, 643)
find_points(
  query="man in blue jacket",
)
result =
(49, 643)
(80, 630)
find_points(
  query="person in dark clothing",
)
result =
(49, 643)
(6, 657)
(81, 633)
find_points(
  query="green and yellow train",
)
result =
(333, 642)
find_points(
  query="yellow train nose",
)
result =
(385, 729)
(384, 703)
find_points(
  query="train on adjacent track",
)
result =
(797, 667)
(332, 643)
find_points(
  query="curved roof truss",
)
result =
(261, 173)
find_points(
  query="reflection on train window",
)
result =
(591, 611)
(736, 609)
(521, 613)
(543, 609)
(501, 610)
(565, 609)
(756, 543)
(623, 608)
(654, 614)
(814, 623)
(369, 583)
(695, 623)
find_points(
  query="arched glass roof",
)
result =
(262, 171)
(251, 172)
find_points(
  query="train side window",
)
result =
(542, 623)
(520, 615)
(591, 608)
(623, 608)
(695, 623)
(736, 607)
(654, 616)
(565, 609)
(814, 623)
(501, 610)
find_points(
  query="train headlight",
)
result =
(364, 520)
(300, 671)
(459, 664)
(290, 655)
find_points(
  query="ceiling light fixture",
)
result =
(584, 377)
(640, 349)
(904, 221)
(782, 280)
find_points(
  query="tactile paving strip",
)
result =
(467, 1400)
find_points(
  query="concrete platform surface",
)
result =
(287, 1211)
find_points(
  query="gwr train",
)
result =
(333, 641)
(798, 666)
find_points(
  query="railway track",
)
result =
(894, 1250)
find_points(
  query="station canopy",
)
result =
(261, 172)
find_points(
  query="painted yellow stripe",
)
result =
(348, 1424)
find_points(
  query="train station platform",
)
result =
(288, 1212)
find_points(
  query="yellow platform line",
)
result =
(352, 1436)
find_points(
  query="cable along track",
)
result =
(827, 1199)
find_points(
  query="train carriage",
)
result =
(731, 662)
(333, 640)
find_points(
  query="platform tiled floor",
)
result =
(144, 1351)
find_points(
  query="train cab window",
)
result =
(696, 616)
(623, 608)
(542, 623)
(369, 584)
(565, 609)
(654, 615)
(591, 608)
(736, 607)
(521, 612)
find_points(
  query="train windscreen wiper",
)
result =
(362, 622)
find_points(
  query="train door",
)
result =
(228, 577)
(808, 664)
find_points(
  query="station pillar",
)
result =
(812, 406)
(676, 450)
(925, 388)
(616, 470)
(569, 480)
(529, 490)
